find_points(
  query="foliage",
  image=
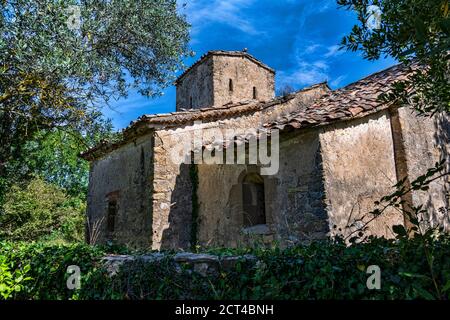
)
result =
(411, 267)
(38, 210)
(44, 196)
(48, 266)
(11, 282)
(60, 60)
(416, 32)
(322, 270)
(417, 223)
(54, 156)
(416, 219)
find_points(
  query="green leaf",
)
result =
(399, 230)
(446, 287)
(422, 292)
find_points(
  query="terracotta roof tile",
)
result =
(354, 100)
(146, 123)
(212, 113)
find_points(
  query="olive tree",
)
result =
(415, 32)
(60, 60)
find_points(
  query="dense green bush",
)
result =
(48, 265)
(321, 270)
(11, 281)
(39, 210)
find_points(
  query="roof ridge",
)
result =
(352, 101)
(223, 52)
(229, 105)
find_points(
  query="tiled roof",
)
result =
(224, 53)
(146, 123)
(216, 112)
(355, 100)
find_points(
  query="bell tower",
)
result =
(222, 77)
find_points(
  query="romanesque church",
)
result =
(337, 152)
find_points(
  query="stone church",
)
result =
(338, 152)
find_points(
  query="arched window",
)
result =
(254, 92)
(253, 200)
(230, 85)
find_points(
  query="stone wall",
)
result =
(207, 83)
(245, 74)
(197, 85)
(327, 177)
(359, 168)
(203, 264)
(171, 194)
(220, 216)
(425, 142)
(293, 198)
(172, 189)
(125, 175)
(300, 193)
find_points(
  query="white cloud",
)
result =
(312, 48)
(337, 82)
(333, 51)
(310, 67)
(320, 65)
(229, 12)
(305, 74)
(311, 59)
(323, 5)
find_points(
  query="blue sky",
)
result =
(298, 38)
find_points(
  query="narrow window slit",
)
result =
(112, 213)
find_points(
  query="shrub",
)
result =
(11, 281)
(322, 270)
(48, 266)
(38, 210)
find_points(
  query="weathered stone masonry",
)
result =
(222, 77)
(129, 186)
(339, 152)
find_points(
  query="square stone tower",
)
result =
(221, 77)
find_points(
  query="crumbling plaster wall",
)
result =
(327, 176)
(359, 168)
(426, 140)
(220, 216)
(171, 194)
(126, 175)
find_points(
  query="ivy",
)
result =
(328, 269)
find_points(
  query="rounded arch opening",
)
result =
(253, 200)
